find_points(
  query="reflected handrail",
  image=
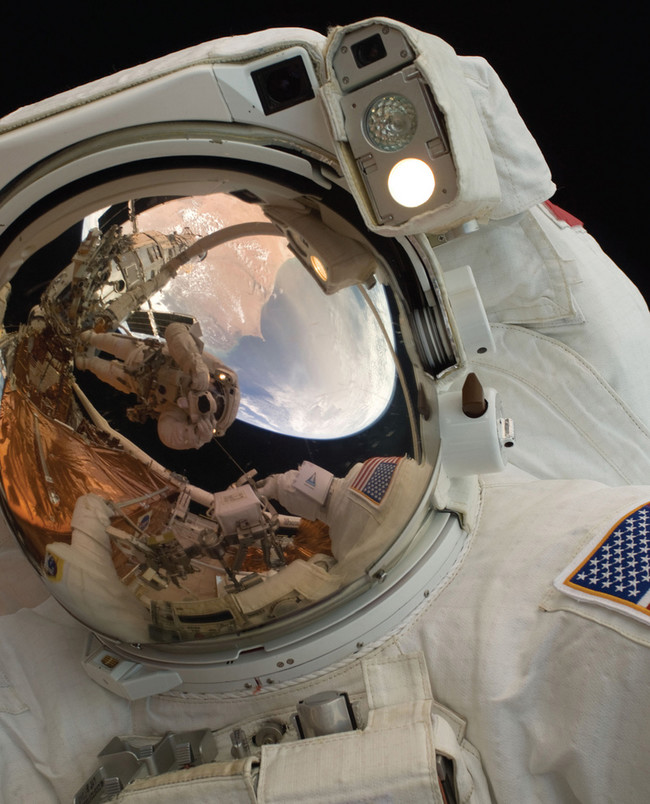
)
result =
(118, 310)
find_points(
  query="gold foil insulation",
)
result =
(311, 538)
(50, 454)
(46, 466)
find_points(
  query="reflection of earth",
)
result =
(309, 365)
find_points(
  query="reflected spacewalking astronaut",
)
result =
(193, 395)
(481, 633)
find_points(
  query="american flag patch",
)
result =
(375, 478)
(614, 570)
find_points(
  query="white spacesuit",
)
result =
(480, 633)
(193, 395)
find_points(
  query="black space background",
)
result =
(578, 73)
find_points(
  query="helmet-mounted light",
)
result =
(334, 260)
(395, 130)
(406, 129)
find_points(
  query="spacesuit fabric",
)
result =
(538, 681)
(536, 270)
(570, 422)
(524, 177)
(570, 291)
(393, 758)
(531, 665)
(48, 726)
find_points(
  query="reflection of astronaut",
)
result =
(192, 394)
(359, 508)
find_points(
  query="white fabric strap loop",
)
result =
(393, 759)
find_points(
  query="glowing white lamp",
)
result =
(411, 182)
(319, 268)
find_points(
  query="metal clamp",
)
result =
(324, 713)
(123, 761)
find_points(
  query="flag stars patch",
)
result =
(615, 569)
(374, 478)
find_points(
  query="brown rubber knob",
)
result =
(473, 398)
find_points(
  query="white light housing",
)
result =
(335, 260)
(392, 93)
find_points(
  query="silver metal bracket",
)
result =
(123, 761)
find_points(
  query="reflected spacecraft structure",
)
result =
(73, 504)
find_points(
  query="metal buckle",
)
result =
(124, 760)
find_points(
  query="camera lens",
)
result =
(282, 85)
(368, 51)
(204, 404)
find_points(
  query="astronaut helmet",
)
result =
(318, 284)
(222, 399)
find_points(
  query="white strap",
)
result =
(231, 782)
(393, 759)
(388, 761)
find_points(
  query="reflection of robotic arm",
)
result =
(304, 491)
(246, 518)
